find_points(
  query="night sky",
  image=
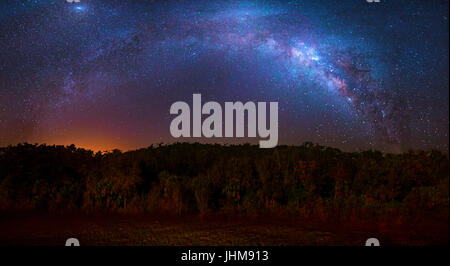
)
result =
(102, 74)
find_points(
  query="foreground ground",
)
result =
(51, 229)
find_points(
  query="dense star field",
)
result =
(103, 74)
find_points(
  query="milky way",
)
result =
(102, 74)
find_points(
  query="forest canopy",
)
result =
(306, 180)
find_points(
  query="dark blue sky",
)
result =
(103, 74)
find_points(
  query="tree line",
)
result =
(182, 178)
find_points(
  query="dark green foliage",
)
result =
(189, 178)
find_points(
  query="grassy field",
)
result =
(151, 230)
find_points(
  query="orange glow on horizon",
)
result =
(95, 141)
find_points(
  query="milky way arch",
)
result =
(289, 38)
(102, 74)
